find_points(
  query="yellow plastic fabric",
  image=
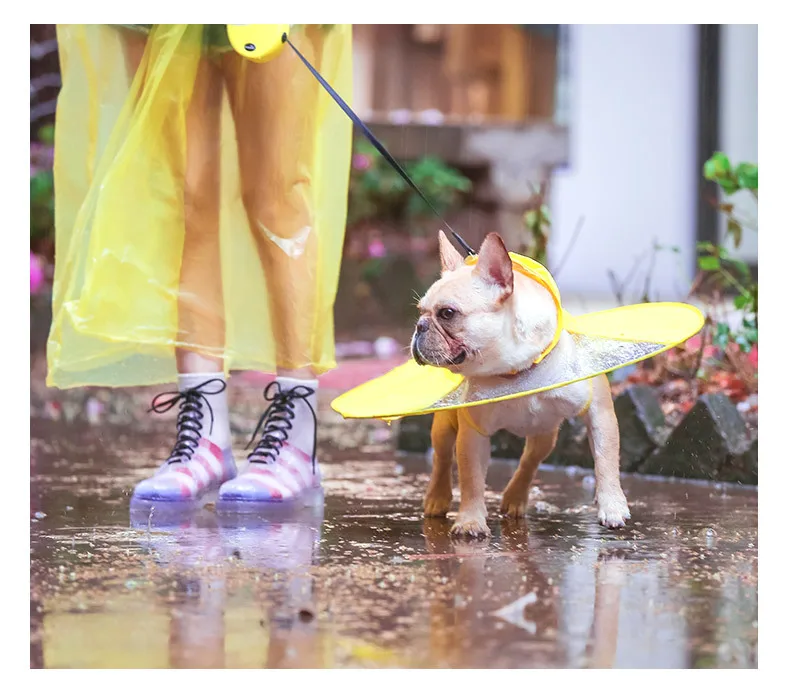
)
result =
(200, 203)
(604, 341)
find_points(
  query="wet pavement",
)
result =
(366, 581)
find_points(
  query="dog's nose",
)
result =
(422, 325)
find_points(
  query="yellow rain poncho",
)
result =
(200, 202)
(604, 341)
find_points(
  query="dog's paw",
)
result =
(472, 526)
(513, 506)
(437, 504)
(613, 510)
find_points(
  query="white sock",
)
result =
(219, 431)
(303, 433)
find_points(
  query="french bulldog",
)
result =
(484, 322)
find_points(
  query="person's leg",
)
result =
(275, 108)
(201, 317)
(201, 458)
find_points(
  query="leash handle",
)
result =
(376, 143)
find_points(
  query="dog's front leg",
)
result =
(473, 453)
(439, 495)
(604, 434)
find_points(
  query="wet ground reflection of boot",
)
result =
(283, 545)
(610, 577)
(187, 544)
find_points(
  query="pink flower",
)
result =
(36, 274)
(361, 162)
(377, 250)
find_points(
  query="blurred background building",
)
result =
(620, 119)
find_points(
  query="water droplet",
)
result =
(544, 507)
(40, 515)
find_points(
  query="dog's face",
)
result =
(479, 321)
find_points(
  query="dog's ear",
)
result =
(450, 258)
(494, 264)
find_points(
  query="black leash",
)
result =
(377, 144)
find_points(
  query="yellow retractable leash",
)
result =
(605, 340)
(258, 42)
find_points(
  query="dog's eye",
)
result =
(446, 314)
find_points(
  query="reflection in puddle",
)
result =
(366, 582)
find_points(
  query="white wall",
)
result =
(738, 117)
(632, 172)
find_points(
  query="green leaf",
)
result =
(728, 185)
(722, 335)
(746, 174)
(709, 263)
(717, 166)
(741, 301)
(741, 266)
(743, 343)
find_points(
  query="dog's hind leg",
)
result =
(439, 495)
(516, 494)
